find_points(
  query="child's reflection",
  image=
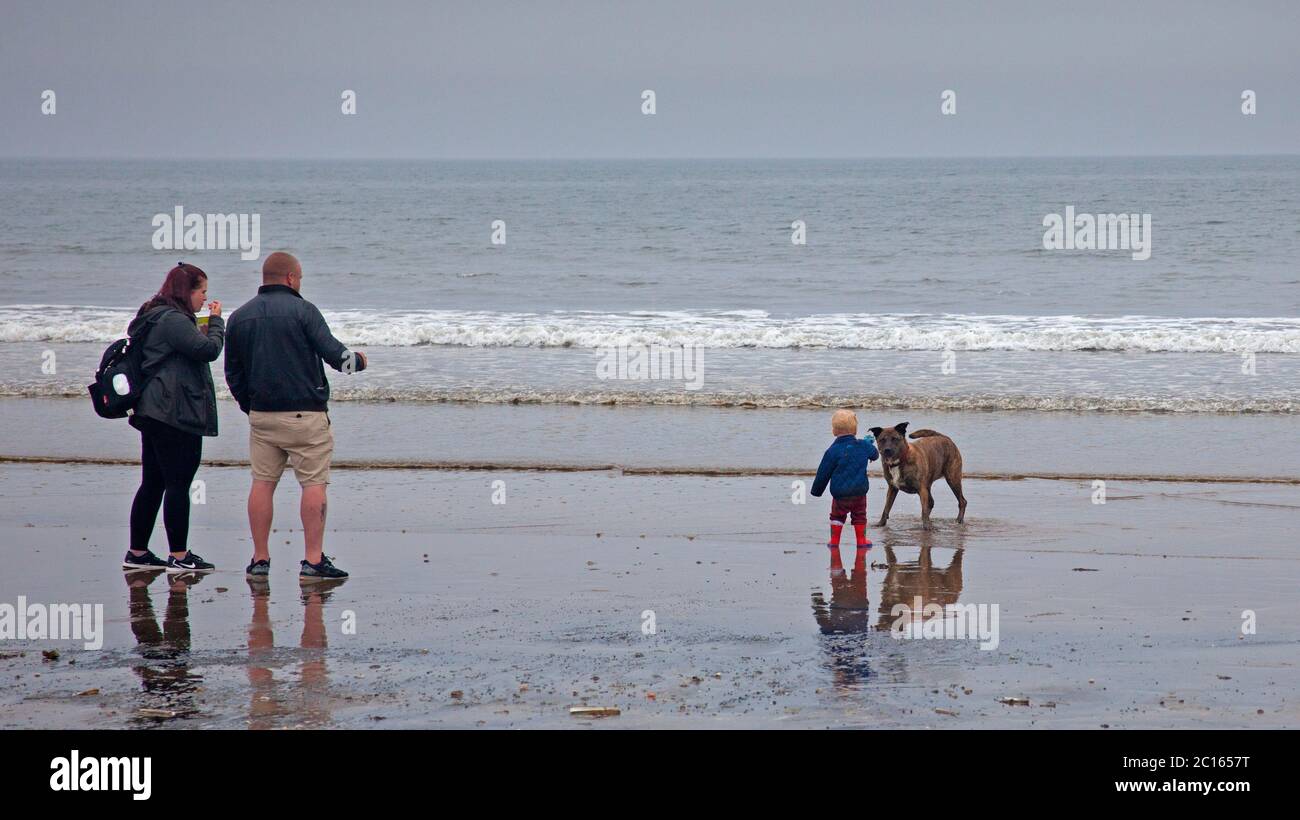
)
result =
(844, 620)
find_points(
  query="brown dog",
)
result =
(913, 467)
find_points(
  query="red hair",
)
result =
(176, 289)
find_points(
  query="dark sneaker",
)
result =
(322, 570)
(190, 563)
(146, 561)
(258, 569)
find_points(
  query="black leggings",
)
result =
(170, 459)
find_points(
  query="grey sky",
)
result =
(564, 79)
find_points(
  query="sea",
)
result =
(892, 286)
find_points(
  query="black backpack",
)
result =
(120, 379)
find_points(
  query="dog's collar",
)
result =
(898, 461)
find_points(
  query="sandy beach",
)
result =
(469, 613)
(1175, 446)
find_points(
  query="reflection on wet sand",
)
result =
(167, 681)
(844, 620)
(907, 581)
(274, 703)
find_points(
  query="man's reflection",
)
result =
(273, 702)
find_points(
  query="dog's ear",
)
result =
(902, 428)
(876, 431)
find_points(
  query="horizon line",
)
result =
(686, 158)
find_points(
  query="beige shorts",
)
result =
(301, 438)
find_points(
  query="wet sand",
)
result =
(468, 613)
(1096, 445)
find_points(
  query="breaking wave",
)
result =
(728, 329)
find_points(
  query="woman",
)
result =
(177, 407)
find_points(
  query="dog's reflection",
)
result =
(272, 703)
(844, 620)
(908, 583)
(166, 678)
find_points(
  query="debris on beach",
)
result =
(947, 712)
(1014, 701)
(457, 694)
(87, 693)
(1084, 569)
(157, 713)
(50, 654)
(595, 711)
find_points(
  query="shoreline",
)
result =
(717, 472)
(708, 441)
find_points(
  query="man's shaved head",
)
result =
(278, 267)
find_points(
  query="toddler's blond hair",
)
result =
(844, 423)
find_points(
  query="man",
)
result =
(274, 348)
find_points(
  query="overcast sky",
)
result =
(481, 78)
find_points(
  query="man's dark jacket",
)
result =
(274, 348)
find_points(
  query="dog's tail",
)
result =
(926, 433)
